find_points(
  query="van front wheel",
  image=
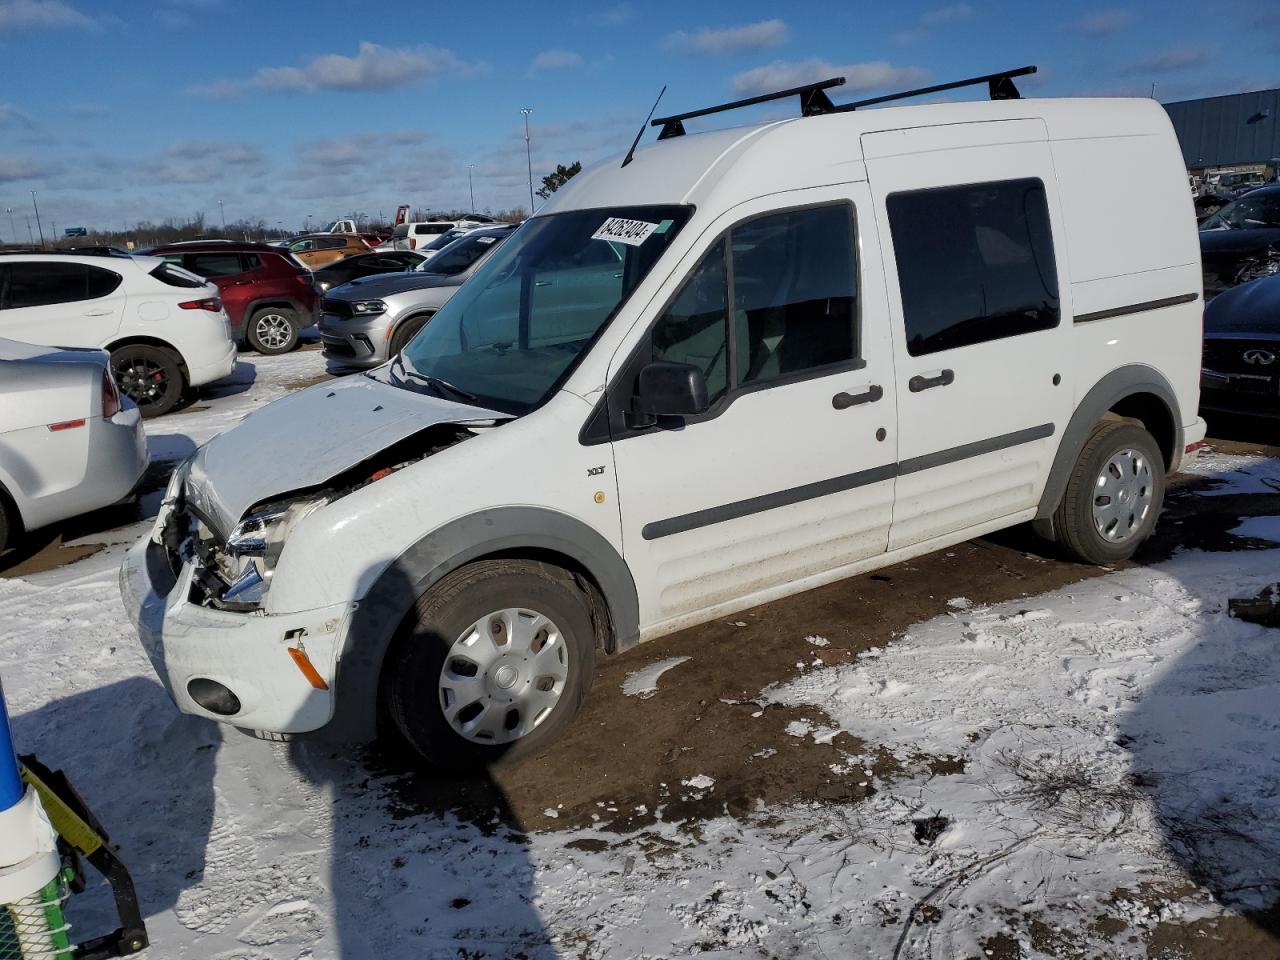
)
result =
(495, 664)
(1114, 494)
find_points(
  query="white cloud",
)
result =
(20, 14)
(204, 161)
(860, 77)
(944, 15)
(1173, 60)
(932, 19)
(554, 60)
(727, 41)
(1099, 23)
(374, 67)
(19, 168)
(615, 16)
(12, 116)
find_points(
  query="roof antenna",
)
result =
(636, 142)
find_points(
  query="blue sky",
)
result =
(119, 112)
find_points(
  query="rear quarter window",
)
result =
(174, 276)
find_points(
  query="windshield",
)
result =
(516, 329)
(460, 254)
(443, 240)
(1255, 210)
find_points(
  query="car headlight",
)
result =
(368, 306)
(254, 547)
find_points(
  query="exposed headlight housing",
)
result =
(252, 551)
(366, 307)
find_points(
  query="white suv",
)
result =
(164, 327)
(776, 356)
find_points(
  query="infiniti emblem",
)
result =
(1262, 358)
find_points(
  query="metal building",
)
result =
(1238, 131)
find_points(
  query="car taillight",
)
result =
(110, 396)
(303, 278)
(212, 304)
(413, 244)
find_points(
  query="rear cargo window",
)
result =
(975, 263)
(175, 276)
(214, 264)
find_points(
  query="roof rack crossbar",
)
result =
(1000, 86)
(813, 101)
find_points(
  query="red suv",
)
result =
(268, 297)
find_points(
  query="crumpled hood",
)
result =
(308, 437)
(386, 284)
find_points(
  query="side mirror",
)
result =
(669, 390)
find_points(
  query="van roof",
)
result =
(748, 161)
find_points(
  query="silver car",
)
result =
(367, 321)
(69, 442)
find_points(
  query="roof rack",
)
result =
(814, 101)
(1000, 86)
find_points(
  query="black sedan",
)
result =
(1242, 240)
(1240, 370)
(365, 265)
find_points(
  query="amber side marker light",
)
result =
(307, 667)
(67, 425)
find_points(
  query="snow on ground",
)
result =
(1116, 735)
(1258, 528)
(643, 683)
(1235, 474)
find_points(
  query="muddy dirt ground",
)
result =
(624, 752)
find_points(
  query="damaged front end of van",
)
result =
(229, 637)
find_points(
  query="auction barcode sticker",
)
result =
(631, 232)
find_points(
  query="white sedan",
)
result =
(69, 443)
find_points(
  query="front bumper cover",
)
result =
(246, 652)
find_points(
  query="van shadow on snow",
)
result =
(128, 732)
(452, 878)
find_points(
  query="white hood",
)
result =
(306, 438)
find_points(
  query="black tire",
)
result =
(272, 330)
(1074, 523)
(414, 670)
(150, 376)
(406, 332)
(6, 525)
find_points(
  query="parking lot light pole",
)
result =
(12, 229)
(528, 154)
(38, 225)
(471, 186)
(222, 210)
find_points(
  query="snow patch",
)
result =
(644, 683)
(1258, 528)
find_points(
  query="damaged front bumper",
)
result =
(196, 649)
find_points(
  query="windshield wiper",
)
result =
(443, 387)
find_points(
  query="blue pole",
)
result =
(11, 785)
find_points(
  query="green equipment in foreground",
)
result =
(34, 927)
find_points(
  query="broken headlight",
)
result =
(252, 550)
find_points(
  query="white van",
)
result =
(165, 328)
(798, 351)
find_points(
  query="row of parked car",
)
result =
(133, 333)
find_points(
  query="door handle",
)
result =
(918, 383)
(241, 283)
(97, 313)
(542, 283)
(843, 401)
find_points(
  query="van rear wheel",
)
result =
(494, 666)
(1114, 494)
